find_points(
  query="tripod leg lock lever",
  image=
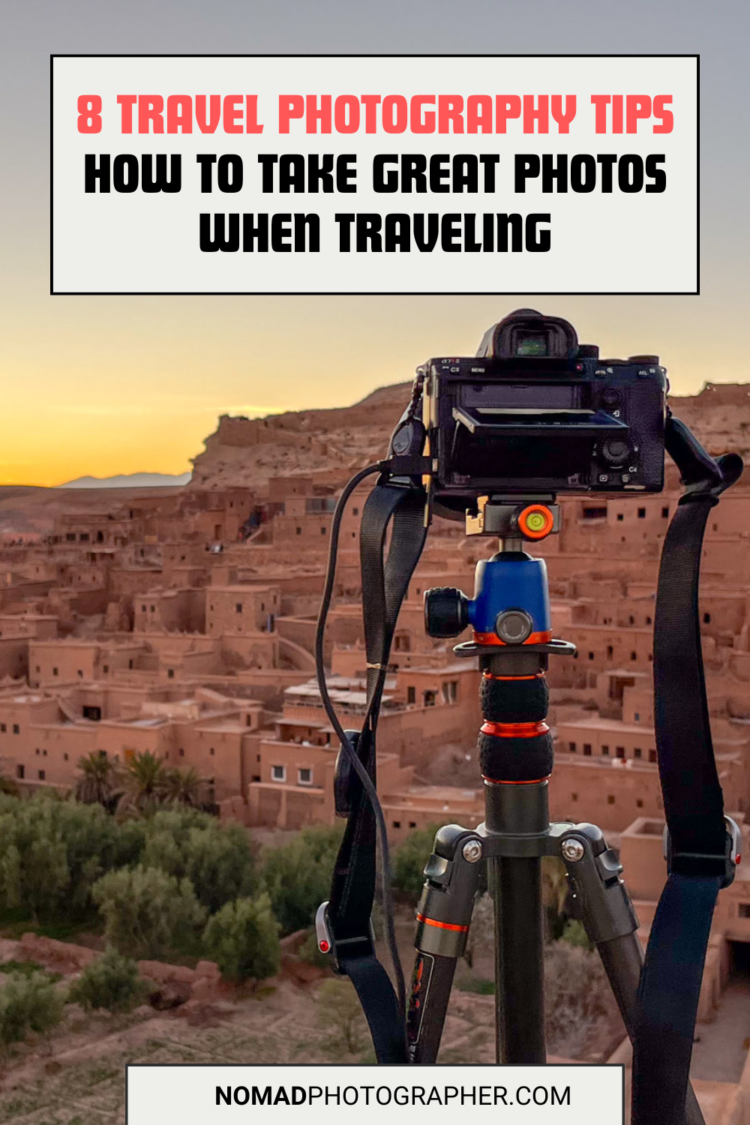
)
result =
(600, 899)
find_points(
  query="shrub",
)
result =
(147, 912)
(28, 1003)
(111, 982)
(341, 1013)
(577, 998)
(574, 933)
(298, 875)
(27, 969)
(243, 939)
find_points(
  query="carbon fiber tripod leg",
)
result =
(443, 920)
(602, 903)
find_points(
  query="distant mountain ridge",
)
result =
(131, 480)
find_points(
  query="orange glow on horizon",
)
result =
(108, 386)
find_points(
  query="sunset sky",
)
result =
(112, 385)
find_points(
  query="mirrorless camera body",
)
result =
(535, 412)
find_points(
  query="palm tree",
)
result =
(97, 783)
(186, 787)
(145, 781)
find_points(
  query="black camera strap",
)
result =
(384, 586)
(700, 848)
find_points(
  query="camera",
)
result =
(536, 412)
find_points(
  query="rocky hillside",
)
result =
(719, 415)
(326, 444)
(331, 444)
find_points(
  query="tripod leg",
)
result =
(604, 907)
(443, 919)
(516, 887)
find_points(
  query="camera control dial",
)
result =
(615, 451)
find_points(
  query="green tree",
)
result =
(97, 781)
(409, 861)
(111, 982)
(144, 784)
(297, 876)
(185, 787)
(34, 870)
(243, 939)
(147, 912)
(220, 860)
(8, 786)
(52, 851)
(28, 1003)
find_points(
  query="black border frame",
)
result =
(379, 293)
(497, 1067)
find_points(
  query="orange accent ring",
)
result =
(491, 676)
(541, 533)
(495, 781)
(442, 925)
(514, 730)
(533, 639)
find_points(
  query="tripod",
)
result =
(510, 616)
